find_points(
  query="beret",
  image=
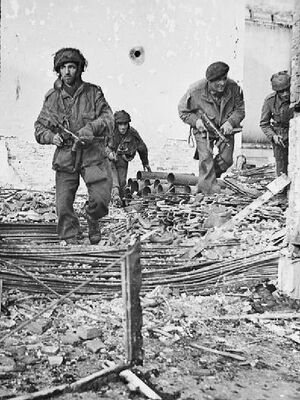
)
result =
(216, 70)
(280, 81)
(67, 55)
(122, 117)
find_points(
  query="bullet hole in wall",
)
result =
(137, 55)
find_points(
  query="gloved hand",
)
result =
(85, 136)
(200, 126)
(124, 157)
(227, 128)
(277, 139)
(112, 156)
(147, 168)
(57, 140)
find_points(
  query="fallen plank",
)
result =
(77, 386)
(218, 352)
(273, 188)
(266, 315)
(135, 383)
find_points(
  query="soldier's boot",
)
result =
(220, 165)
(94, 230)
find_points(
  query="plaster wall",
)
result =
(267, 50)
(180, 39)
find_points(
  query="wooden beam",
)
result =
(131, 286)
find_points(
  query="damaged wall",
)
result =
(175, 42)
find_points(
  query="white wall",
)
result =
(267, 50)
(180, 39)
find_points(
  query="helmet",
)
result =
(122, 117)
(280, 81)
(216, 70)
(69, 54)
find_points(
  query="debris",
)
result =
(70, 338)
(51, 350)
(80, 385)
(88, 333)
(55, 361)
(218, 352)
(136, 384)
(94, 345)
(39, 327)
(273, 188)
(7, 364)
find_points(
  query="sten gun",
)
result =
(70, 133)
(210, 126)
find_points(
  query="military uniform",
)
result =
(275, 117)
(87, 109)
(227, 107)
(125, 147)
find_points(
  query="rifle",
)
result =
(209, 125)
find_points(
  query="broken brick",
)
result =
(40, 326)
(95, 345)
(55, 360)
(86, 333)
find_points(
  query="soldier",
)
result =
(221, 100)
(76, 118)
(122, 149)
(275, 116)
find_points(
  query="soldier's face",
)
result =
(122, 128)
(68, 73)
(284, 94)
(219, 84)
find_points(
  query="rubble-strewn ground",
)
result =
(226, 303)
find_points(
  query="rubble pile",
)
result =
(168, 225)
(212, 325)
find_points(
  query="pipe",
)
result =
(182, 189)
(158, 181)
(182, 179)
(140, 175)
(146, 191)
(163, 188)
(134, 186)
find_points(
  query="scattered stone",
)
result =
(87, 333)
(95, 345)
(52, 350)
(70, 338)
(40, 326)
(55, 361)
(5, 394)
(7, 364)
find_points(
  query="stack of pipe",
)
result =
(159, 183)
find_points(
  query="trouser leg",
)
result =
(66, 187)
(281, 158)
(122, 174)
(207, 176)
(224, 159)
(99, 193)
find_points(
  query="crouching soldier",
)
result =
(275, 117)
(77, 120)
(218, 100)
(122, 148)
